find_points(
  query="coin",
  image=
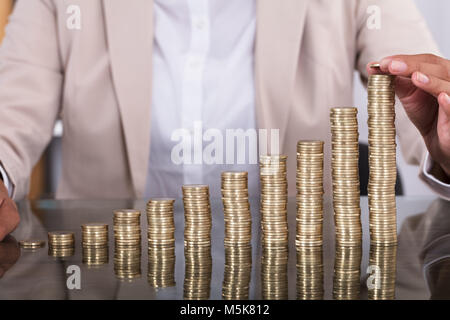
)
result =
(345, 174)
(309, 199)
(32, 244)
(382, 159)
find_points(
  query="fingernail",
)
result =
(446, 98)
(384, 64)
(422, 78)
(398, 66)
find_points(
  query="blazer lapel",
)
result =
(129, 26)
(280, 27)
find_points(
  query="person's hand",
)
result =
(423, 87)
(9, 216)
(9, 254)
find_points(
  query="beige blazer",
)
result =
(100, 78)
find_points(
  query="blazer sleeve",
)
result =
(31, 79)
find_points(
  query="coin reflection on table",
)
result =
(198, 268)
(274, 276)
(310, 273)
(347, 272)
(237, 273)
(383, 268)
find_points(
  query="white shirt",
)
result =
(203, 63)
(203, 71)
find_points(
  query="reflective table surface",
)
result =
(418, 268)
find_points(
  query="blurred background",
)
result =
(45, 174)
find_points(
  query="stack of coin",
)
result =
(347, 272)
(127, 228)
(382, 271)
(345, 172)
(274, 273)
(198, 268)
(94, 237)
(32, 244)
(273, 207)
(61, 244)
(197, 215)
(127, 238)
(309, 183)
(310, 273)
(237, 273)
(236, 207)
(161, 243)
(382, 159)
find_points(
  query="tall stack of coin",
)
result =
(161, 243)
(237, 273)
(197, 215)
(95, 243)
(309, 193)
(310, 273)
(347, 272)
(274, 273)
(61, 244)
(382, 159)
(382, 271)
(127, 236)
(237, 216)
(198, 268)
(274, 200)
(345, 172)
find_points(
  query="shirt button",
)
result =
(200, 24)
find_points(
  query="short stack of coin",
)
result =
(127, 238)
(32, 244)
(236, 207)
(197, 215)
(127, 228)
(382, 160)
(61, 243)
(273, 206)
(237, 274)
(94, 235)
(345, 172)
(382, 272)
(310, 273)
(274, 273)
(198, 268)
(309, 183)
(347, 272)
(94, 238)
(161, 243)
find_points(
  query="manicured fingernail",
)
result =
(446, 99)
(422, 78)
(384, 64)
(398, 66)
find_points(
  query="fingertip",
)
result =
(444, 100)
(420, 79)
(444, 103)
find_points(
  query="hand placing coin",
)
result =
(423, 87)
